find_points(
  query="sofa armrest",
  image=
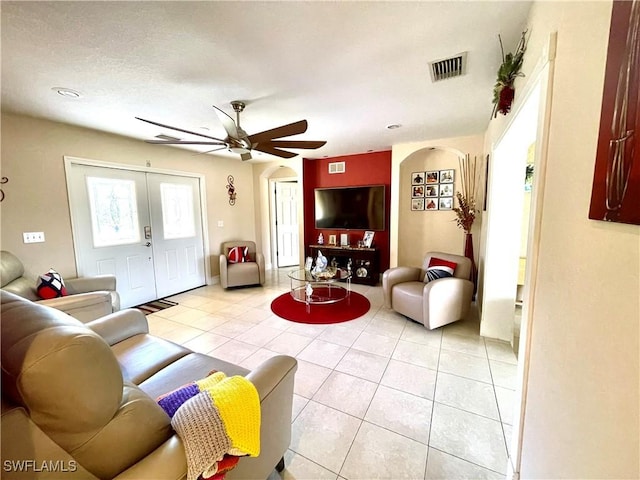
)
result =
(90, 284)
(274, 381)
(397, 275)
(167, 462)
(223, 270)
(260, 262)
(119, 326)
(268, 375)
(83, 306)
(446, 300)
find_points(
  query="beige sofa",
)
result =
(436, 303)
(89, 297)
(81, 397)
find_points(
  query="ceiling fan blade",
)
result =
(267, 148)
(179, 129)
(227, 122)
(309, 144)
(209, 151)
(183, 142)
(295, 128)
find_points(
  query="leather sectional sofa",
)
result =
(88, 297)
(80, 399)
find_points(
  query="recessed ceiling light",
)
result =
(393, 126)
(67, 92)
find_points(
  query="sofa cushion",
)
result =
(51, 285)
(238, 254)
(142, 356)
(187, 369)
(439, 268)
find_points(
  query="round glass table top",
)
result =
(327, 276)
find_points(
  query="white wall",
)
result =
(581, 417)
(36, 195)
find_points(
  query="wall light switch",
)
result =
(33, 237)
(220, 223)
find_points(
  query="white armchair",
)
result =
(433, 303)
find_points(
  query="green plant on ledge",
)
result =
(503, 91)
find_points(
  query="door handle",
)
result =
(148, 244)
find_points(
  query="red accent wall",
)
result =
(363, 169)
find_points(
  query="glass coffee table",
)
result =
(330, 286)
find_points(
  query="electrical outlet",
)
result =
(33, 237)
(220, 223)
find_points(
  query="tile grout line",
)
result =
(433, 404)
(495, 396)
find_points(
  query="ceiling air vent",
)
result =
(449, 67)
(167, 137)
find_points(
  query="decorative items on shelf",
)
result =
(321, 239)
(231, 190)
(503, 90)
(367, 240)
(432, 190)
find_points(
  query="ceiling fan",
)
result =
(239, 142)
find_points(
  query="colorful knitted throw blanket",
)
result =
(216, 417)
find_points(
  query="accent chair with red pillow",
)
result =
(437, 294)
(240, 264)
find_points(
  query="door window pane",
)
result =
(114, 211)
(177, 211)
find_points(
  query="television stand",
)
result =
(365, 264)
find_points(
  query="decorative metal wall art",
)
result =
(3, 181)
(231, 190)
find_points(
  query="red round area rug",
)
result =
(352, 307)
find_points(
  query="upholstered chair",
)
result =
(436, 302)
(241, 270)
(88, 298)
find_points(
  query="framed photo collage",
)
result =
(432, 190)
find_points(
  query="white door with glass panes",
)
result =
(144, 228)
(178, 250)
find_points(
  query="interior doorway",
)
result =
(285, 225)
(511, 155)
(144, 227)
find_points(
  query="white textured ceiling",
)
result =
(349, 68)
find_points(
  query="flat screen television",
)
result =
(350, 208)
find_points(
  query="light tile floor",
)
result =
(376, 397)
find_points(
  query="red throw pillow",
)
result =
(51, 285)
(238, 254)
(439, 268)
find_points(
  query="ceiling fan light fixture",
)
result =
(238, 150)
(67, 92)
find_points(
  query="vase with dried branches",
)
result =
(466, 210)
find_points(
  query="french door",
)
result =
(145, 228)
